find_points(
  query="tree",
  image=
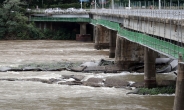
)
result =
(13, 22)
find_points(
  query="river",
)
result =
(27, 95)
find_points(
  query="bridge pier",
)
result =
(112, 43)
(101, 37)
(149, 68)
(82, 28)
(179, 93)
(128, 54)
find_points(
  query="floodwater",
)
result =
(27, 95)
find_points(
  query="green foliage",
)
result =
(156, 91)
(13, 22)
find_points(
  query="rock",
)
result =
(9, 79)
(95, 69)
(89, 64)
(115, 82)
(94, 82)
(77, 69)
(31, 69)
(137, 84)
(39, 80)
(67, 76)
(53, 80)
(4, 69)
(167, 83)
(71, 83)
(77, 77)
(53, 69)
(112, 69)
(136, 91)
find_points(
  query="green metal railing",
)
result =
(140, 38)
(59, 19)
(143, 39)
(154, 43)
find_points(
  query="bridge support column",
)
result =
(179, 93)
(82, 28)
(101, 37)
(112, 43)
(149, 68)
(128, 54)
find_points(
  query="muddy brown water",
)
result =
(27, 95)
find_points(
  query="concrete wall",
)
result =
(127, 53)
(101, 37)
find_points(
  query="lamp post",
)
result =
(102, 4)
(95, 4)
(112, 4)
(159, 5)
(129, 4)
(81, 4)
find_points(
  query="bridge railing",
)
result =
(59, 19)
(170, 14)
(168, 48)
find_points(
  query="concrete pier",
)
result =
(128, 54)
(82, 28)
(149, 68)
(112, 43)
(179, 93)
(101, 37)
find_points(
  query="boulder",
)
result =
(78, 77)
(115, 82)
(167, 83)
(29, 68)
(137, 84)
(95, 69)
(67, 76)
(77, 69)
(4, 69)
(94, 82)
(71, 83)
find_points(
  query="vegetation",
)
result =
(158, 90)
(13, 22)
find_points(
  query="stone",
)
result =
(29, 68)
(167, 83)
(137, 84)
(94, 82)
(115, 82)
(67, 76)
(77, 69)
(71, 83)
(77, 77)
(4, 69)
(95, 69)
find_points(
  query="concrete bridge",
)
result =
(133, 36)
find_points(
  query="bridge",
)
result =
(133, 36)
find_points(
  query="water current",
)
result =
(28, 95)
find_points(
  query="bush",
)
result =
(158, 90)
